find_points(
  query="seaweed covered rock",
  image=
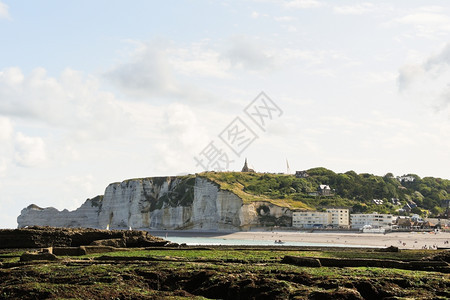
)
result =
(442, 256)
(340, 293)
(29, 256)
(116, 243)
(41, 237)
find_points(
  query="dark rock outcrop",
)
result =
(302, 261)
(117, 243)
(38, 256)
(41, 237)
(423, 265)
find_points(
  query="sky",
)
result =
(99, 91)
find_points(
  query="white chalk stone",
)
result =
(157, 203)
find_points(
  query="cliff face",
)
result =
(85, 216)
(162, 203)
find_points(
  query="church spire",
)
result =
(246, 168)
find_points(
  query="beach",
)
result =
(402, 240)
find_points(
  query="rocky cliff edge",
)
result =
(181, 202)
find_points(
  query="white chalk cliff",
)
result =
(188, 202)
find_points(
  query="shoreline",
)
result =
(402, 240)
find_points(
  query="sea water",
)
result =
(205, 241)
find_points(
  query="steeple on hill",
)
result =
(245, 168)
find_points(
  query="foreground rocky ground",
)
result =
(170, 272)
(37, 236)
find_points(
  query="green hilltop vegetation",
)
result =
(349, 189)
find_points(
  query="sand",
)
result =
(403, 240)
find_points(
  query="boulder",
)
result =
(302, 261)
(117, 243)
(29, 256)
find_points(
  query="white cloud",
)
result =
(84, 182)
(148, 73)
(4, 11)
(248, 53)
(71, 101)
(6, 134)
(439, 61)
(364, 8)
(407, 74)
(161, 72)
(303, 4)
(357, 9)
(3, 166)
(284, 19)
(381, 77)
(432, 9)
(198, 60)
(286, 23)
(311, 57)
(182, 138)
(76, 189)
(11, 76)
(290, 28)
(6, 129)
(429, 80)
(433, 65)
(8, 220)
(425, 19)
(426, 23)
(29, 151)
(443, 102)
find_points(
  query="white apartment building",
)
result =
(310, 219)
(340, 217)
(373, 219)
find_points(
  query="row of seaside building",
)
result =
(342, 218)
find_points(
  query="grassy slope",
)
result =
(236, 182)
(349, 190)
